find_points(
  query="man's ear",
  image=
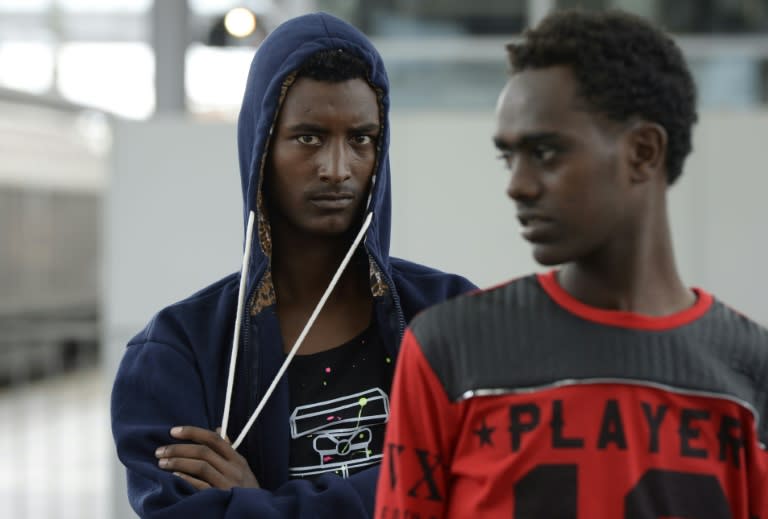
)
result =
(646, 151)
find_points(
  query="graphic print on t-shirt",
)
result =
(340, 431)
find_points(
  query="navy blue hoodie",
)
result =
(174, 372)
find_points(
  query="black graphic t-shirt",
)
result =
(340, 407)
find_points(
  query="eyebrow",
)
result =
(314, 128)
(366, 128)
(306, 127)
(526, 141)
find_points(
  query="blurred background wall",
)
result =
(119, 188)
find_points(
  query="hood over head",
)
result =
(271, 74)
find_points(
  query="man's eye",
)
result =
(312, 140)
(544, 153)
(507, 157)
(362, 139)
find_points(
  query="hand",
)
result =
(208, 462)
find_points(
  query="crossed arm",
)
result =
(156, 386)
(209, 461)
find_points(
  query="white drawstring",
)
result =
(238, 320)
(303, 334)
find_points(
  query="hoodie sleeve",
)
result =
(155, 388)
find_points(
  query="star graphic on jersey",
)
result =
(484, 433)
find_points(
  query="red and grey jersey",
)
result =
(522, 402)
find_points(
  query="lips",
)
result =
(526, 219)
(332, 200)
(535, 226)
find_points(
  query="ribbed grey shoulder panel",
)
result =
(516, 336)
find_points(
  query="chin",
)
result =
(549, 255)
(332, 227)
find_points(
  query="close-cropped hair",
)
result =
(333, 65)
(624, 67)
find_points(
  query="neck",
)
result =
(636, 274)
(303, 266)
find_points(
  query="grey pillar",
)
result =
(170, 37)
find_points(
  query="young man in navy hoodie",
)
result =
(605, 388)
(313, 139)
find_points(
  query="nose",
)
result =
(334, 162)
(524, 183)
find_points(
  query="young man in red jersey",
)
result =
(604, 388)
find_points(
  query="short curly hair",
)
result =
(334, 66)
(624, 67)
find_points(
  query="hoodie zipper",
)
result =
(252, 365)
(396, 300)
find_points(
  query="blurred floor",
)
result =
(54, 447)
